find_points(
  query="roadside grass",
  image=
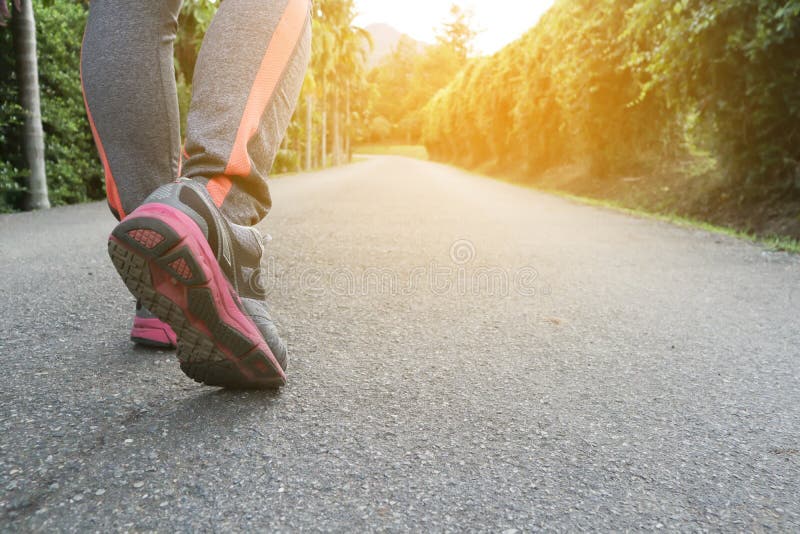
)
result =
(777, 243)
(408, 151)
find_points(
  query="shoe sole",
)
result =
(166, 262)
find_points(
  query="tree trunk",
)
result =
(23, 27)
(324, 153)
(309, 130)
(337, 133)
(348, 147)
(297, 146)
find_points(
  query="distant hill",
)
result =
(385, 40)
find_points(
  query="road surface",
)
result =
(466, 355)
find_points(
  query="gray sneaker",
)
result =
(197, 271)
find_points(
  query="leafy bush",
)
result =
(10, 121)
(11, 159)
(624, 84)
(286, 161)
(738, 63)
(74, 173)
(561, 93)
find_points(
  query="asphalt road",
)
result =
(466, 355)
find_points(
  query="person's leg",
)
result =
(190, 251)
(245, 89)
(131, 100)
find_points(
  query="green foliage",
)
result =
(393, 79)
(738, 63)
(286, 161)
(335, 83)
(559, 94)
(408, 78)
(73, 171)
(194, 20)
(625, 85)
(11, 162)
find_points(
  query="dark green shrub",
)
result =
(74, 173)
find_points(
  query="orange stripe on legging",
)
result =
(276, 59)
(111, 186)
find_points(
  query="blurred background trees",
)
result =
(327, 121)
(686, 96)
(736, 63)
(73, 173)
(627, 87)
(406, 79)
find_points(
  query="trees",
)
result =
(550, 98)
(457, 33)
(335, 73)
(73, 172)
(351, 58)
(407, 79)
(380, 129)
(337, 70)
(735, 62)
(321, 72)
(614, 83)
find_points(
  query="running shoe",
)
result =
(200, 274)
(150, 331)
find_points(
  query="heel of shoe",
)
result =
(166, 262)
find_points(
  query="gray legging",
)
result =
(245, 88)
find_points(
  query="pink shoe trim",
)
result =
(153, 331)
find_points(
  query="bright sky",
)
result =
(499, 21)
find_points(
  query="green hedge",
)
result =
(626, 85)
(738, 63)
(74, 173)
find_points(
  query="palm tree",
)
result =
(309, 130)
(339, 57)
(322, 66)
(352, 60)
(23, 28)
(337, 64)
(350, 56)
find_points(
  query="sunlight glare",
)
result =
(498, 21)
